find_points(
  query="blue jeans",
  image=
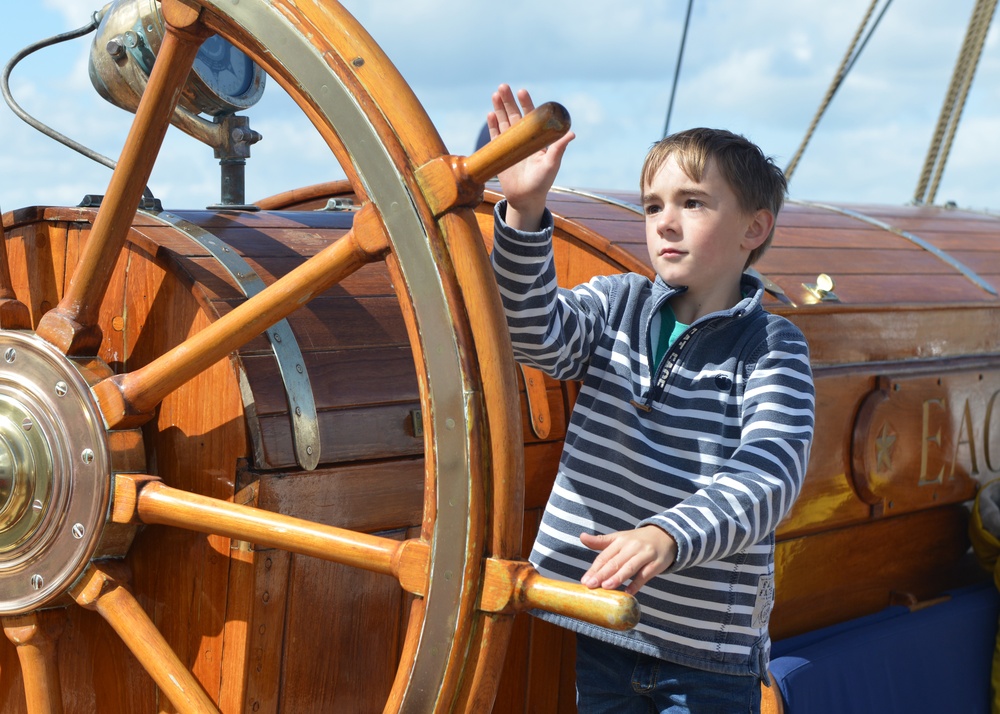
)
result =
(612, 680)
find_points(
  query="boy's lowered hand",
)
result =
(640, 554)
(525, 184)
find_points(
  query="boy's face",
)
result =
(698, 236)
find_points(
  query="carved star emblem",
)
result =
(884, 443)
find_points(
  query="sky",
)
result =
(757, 67)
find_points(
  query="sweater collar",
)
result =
(751, 287)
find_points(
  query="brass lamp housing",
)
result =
(223, 80)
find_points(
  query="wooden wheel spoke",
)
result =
(451, 181)
(101, 589)
(72, 324)
(150, 501)
(511, 586)
(35, 635)
(128, 400)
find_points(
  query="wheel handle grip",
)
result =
(450, 182)
(536, 130)
(515, 586)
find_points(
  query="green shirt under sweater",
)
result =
(670, 330)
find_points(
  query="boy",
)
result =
(691, 432)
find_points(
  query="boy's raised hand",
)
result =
(638, 555)
(527, 183)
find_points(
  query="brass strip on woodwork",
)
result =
(916, 240)
(291, 365)
(635, 208)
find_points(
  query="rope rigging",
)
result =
(853, 52)
(677, 68)
(954, 101)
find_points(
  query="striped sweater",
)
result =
(711, 446)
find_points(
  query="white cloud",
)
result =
(74, 13)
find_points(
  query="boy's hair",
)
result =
(755, 179)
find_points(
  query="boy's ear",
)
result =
(758, 229)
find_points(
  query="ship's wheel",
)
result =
(73, 468)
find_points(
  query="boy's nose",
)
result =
(665, 221)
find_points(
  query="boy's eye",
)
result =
(692, 203)
(652, 209)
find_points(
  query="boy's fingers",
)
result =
(598, 575)
(526, 102)
(509, 104)
(493, 125)
(622, 572)
(620, 561)
(500, 112)
(595, 575)
(641, 578)
(557, 148)
(610, 568)
(595, 542)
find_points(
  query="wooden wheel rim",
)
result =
(446, 379)
(381, 137)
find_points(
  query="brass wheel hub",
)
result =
(54, 473)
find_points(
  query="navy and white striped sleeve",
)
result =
(551, 328)
(752, 491)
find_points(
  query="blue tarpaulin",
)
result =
(935, 660)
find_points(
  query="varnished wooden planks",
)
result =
(378, 375)
(362, 617)
(841, 574)
(347, 435)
